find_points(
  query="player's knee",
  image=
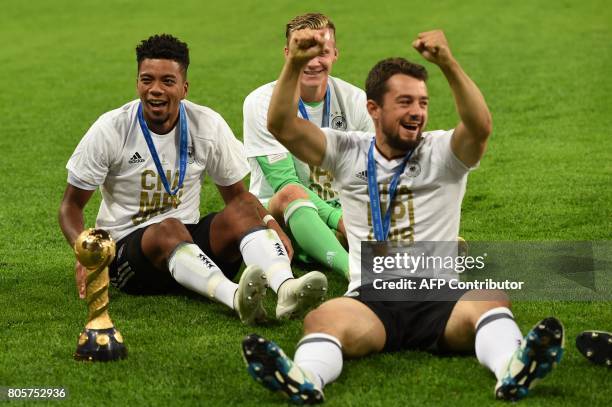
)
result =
(487, 300)
(244, 200)
(239, 216)
(288, 194)
(359, 334)
(242, 209)
(160, 239)
(172, 229)
(313, 321)
(320, 320)
(333, 321)
(498, 298)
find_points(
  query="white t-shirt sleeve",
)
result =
(226, 163)
(93, 157)
(364, 119)
(340, 151)
(79, 183)
(258, 140)
(441, 144)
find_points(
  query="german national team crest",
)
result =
(413, 168)
(338, 121)
(190, 155)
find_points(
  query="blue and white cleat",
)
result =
(269, 365)
(596, 346)
(540, 351)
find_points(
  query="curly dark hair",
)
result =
(376, 82)
(163, 46)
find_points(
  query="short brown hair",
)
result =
(376, 83)
(315, 21)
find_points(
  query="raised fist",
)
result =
(306, 44)
(434, 47)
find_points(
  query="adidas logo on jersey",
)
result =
(362, 175)
(279, 249)
(136, 158)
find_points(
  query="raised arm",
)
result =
(469, 140)
(305, 140)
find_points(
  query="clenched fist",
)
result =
(434, 47)
(306, 44)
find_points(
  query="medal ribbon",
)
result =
(182, 150)
(326, 109)
(381, 228)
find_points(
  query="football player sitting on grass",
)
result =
(449, 321)
(149, 158)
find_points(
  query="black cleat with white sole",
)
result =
(596, 346)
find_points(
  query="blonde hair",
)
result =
(315, 21)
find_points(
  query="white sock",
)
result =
(320, 355)
(264, 248)
(497, 338)
(194, 270)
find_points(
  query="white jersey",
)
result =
(114, 155)
(427, 205)
(347, 112)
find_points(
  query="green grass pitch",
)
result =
(543, 66)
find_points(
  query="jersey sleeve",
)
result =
(92, 158)
(226, 164)
(258, 141)
(340, 151)
(363, 118)
(443, 153)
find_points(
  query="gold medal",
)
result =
(175, 201)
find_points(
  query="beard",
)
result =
(397, 143)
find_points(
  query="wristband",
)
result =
(267, 219)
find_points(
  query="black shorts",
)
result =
(413, 325)
(131, 272)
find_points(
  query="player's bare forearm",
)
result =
(70, 214)
(71, 222)
(470, 137)
(282, 112)
(302, 138)
(470, 102)
(229, 192)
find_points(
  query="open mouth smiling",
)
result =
(410, 126)
(313, 73)
(157, 103)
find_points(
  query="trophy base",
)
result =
(100, 345)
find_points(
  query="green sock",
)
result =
(315, 237)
